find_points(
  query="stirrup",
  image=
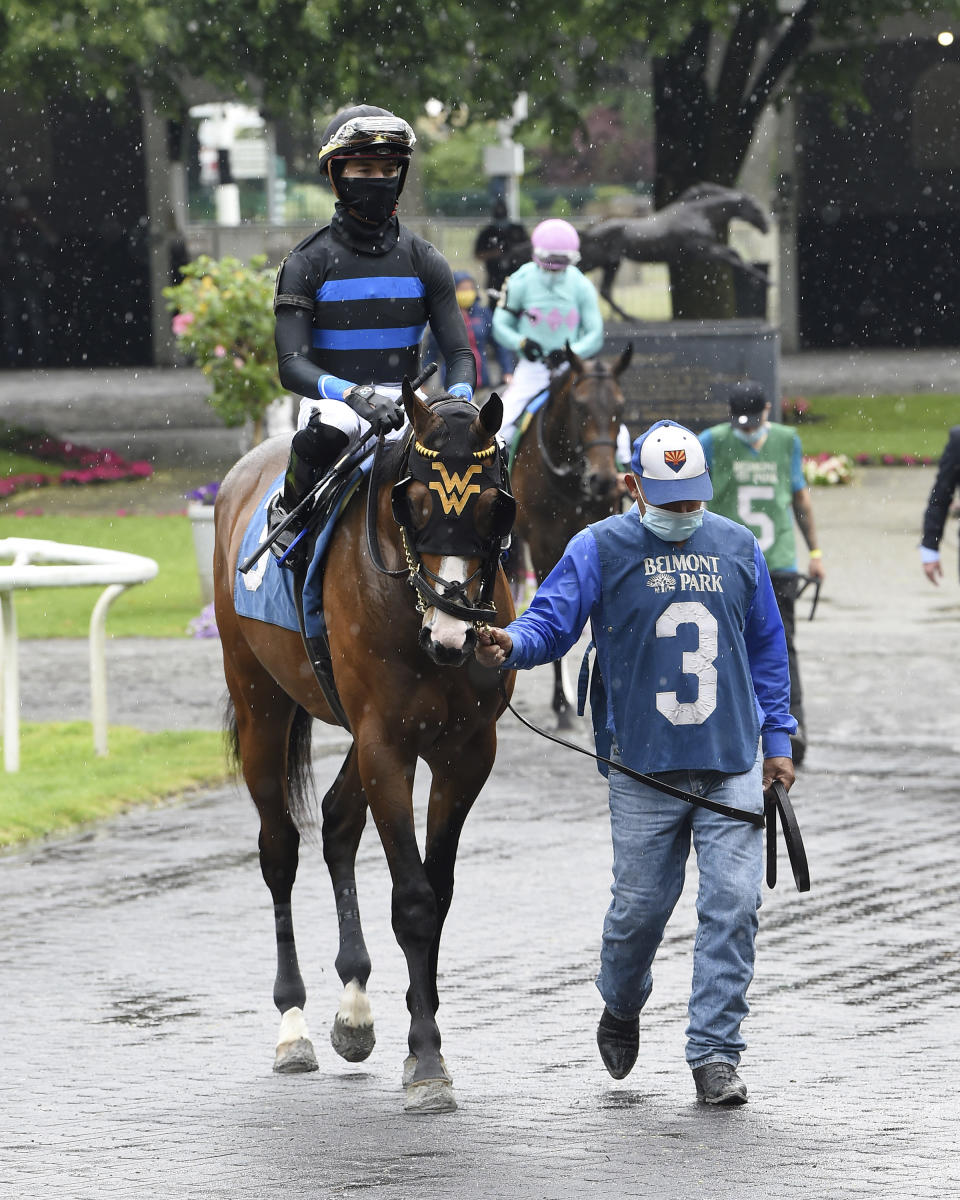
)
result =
(280, 547)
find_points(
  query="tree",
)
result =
(716, 64)
(716, 67)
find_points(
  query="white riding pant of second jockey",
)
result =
(529, 380)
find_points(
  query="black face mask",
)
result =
(371, 199)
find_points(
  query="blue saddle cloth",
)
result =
(265, 592)
(528, 412)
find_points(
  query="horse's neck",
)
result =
(561, 428)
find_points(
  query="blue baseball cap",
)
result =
(669, 461)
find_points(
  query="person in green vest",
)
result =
(756, 467)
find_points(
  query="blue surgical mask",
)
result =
(752, 436)
(672, 526)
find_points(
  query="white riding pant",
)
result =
(340, 415)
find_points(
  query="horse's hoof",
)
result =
(430, 1096)
(293, 1058)
(410, 1067)
(294, 1048)
(564, 721)
(352, 1034)
(352, 1042)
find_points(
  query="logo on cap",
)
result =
(676, 460)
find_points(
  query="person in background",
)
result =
(478, 319)
(495, 242)
(757, 470)
(693, 689)
(938, 506)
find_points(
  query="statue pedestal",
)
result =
(683, 370)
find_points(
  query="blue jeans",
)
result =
(651, 842)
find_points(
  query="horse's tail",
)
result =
(301, 797)
(231, 735)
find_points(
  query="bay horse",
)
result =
(410, 688)
(564, 475)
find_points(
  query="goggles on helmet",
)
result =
(380, 135)
(556, 260)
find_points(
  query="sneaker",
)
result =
(619, 1043)
(719, 1083)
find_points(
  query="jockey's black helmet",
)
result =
(365, 131)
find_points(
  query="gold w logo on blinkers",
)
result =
(455, 490)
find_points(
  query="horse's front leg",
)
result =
(344, 816)
(387, 769)
(458, 777)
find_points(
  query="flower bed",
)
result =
(87, 465)
(893, 460)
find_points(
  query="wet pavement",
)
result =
(137, 958)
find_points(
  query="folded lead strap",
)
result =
(776, 801)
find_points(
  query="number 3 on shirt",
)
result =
(697, 662)
(759, 522)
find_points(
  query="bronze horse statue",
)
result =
(692, 226)
(564, 474)
(401, 605)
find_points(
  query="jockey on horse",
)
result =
(545, 306)
(351, 304)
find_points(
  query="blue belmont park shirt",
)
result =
(690, 646)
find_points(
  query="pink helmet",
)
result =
(556, 245)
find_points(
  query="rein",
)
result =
(775, 801)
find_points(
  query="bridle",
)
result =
(560, 473)
(431, 590)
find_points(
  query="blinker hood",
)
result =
(455, 483)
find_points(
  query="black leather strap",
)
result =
(776, 801)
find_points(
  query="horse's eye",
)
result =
(419, 501)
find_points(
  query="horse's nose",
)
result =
(601, 484)
(448, 651)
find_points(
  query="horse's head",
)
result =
(593, 418)
(454, 511)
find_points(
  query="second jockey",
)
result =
(545, 304)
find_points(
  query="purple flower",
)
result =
(206, 494)
(205, 625)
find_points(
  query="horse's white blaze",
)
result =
(446, 630)
(293, 1027)
(355, 1009)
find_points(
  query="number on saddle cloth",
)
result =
(266, 591)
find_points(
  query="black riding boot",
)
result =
(313, 451)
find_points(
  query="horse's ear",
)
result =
(574, 360)
(414, 406)
(491, 415)
(623, 361)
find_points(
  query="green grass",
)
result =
(62, 784)
(878, 425)
(161, 608)
(23, 464)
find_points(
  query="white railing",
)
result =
(41, 564)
